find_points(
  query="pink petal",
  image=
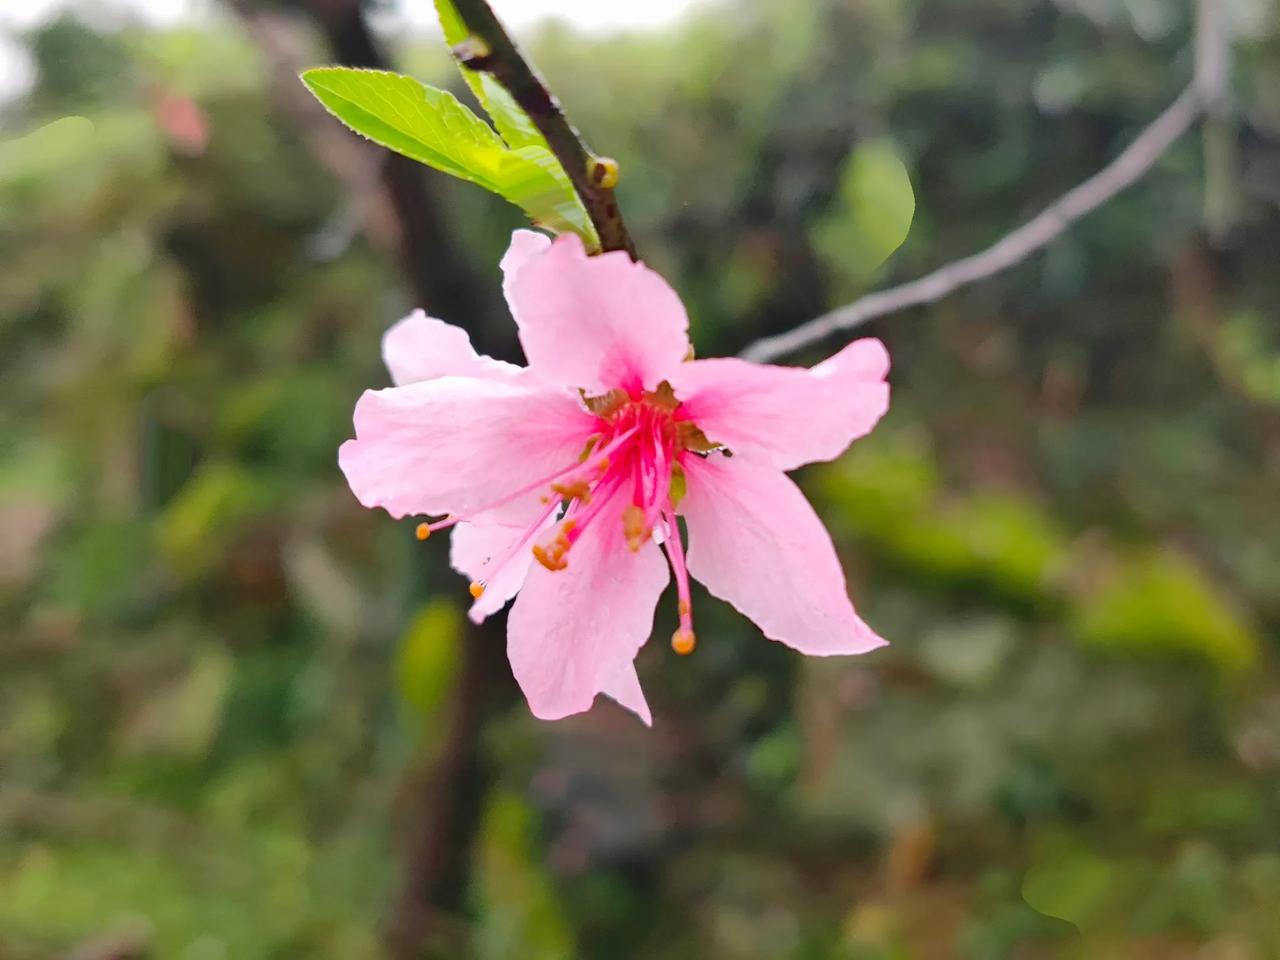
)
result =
(624, 688)
(595, 323)
(755, 542)
(460, 445)
(422, 348)
(573, 633)
(787, 416)
(477, 550)
(525, 245)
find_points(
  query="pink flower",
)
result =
(583, 460)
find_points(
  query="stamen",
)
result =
(422, 531)
(634, 528)
(495, 567)
(577, 489)
(477, 589)
(683, 641)
(559, 475)
(551, 554)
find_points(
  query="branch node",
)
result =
(472, 52)
(603, 171)
(592, 177)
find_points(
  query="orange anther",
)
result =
(552, 559)
(576, 490)
(423, 531)
(477, 589)
(633, 527)
(551, 554)
(683, 642)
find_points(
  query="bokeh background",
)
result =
(239, 714)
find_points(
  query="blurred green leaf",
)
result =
(1159, 602)
(427, 657)
(521, 915)
(54, 147)
(872, 215)
(206, 513)
(183, 716)
(97, 573)
(1070, 887)
(888, 491)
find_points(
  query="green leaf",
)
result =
(406, 116)
(431, 126)
(872, 215)
(512, 122)
(535, 182)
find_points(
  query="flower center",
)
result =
(635, 453)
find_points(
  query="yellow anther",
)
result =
(633, 527)
(423, 531)
(683, 642)
(575, 490)
(477, 589)
(551, 555)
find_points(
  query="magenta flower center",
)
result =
(636, 453)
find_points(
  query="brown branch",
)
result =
(1126, 169)
(490, 49)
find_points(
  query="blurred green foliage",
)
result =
(216, 668)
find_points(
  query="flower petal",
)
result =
(596, 323)
(422, 348)
(787, 416)
(755, 541)
(489, 553)
(624, 688)
(573, 633)
(460, 445)
(525, 246)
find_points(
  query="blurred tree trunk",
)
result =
(441, 279)
(443, 795)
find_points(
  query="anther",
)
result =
(634, 528)
(573, 490)
(477, 589)
(423, 531)
(551, 555)
(683, 641)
